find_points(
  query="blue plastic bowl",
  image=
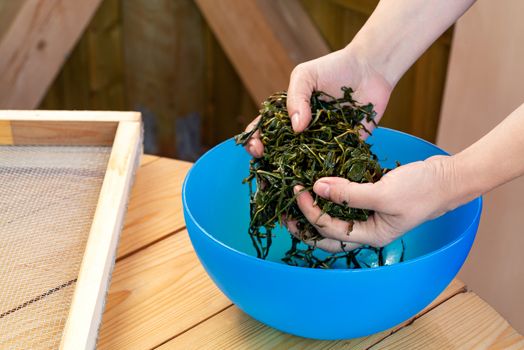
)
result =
(313, 303)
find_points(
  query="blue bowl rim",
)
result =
(476, 218)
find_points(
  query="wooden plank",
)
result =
(105, 62)
(8, 12)
(223, 118)
(155, 208)
(168, 81)
(463, 322)
(156, 293)
(63, 133)
(235, 330)
(294, 29)
(80, 116)
(81, 328)
(72, 83)
(6, 135)
(107, 16)
(428, 90)
(329, 17)
(274, 32)
(363, 6)
(92, 76)
(34, 46)
(146, 159)
(484, 85)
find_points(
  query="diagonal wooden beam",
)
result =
(35, 38)
(264, 39)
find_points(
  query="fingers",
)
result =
(352, 194)
(327, 244)
(361, 232)
(301, 85)
(254, 146)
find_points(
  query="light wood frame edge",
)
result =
(81, 328)
(80, 116)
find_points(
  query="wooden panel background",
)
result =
(485, 84)
(161, 58)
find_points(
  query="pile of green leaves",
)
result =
(330, 146)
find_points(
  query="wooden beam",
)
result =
(34, 43)
(60, 133)
(363, 6)
(263, 39)
(60, 128)
(64, 116)
(6, 135)
(85, 315)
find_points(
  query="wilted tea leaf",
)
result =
(330, 146)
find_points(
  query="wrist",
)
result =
(464, 183)
(449, 183)
(372, 63)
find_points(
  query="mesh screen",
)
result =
(48, 196)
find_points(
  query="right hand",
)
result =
(329, 73)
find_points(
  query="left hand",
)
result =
(404, 198)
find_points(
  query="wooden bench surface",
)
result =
(161, 297)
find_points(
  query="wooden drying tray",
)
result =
(123, 132)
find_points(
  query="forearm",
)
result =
(495, 159)
(399, 31)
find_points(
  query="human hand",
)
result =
(329, 73)
(404, 198)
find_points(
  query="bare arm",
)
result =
(399, 31)
(395, 35)
(495, 159)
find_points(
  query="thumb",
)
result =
(298, 96)
(352, 194)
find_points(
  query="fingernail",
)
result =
(322, 189)
(294, 120)
(297, 189)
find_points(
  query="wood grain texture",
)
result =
(222, 118)
(61, 116)
(155, 207)
(92, 76)
(85, 314)
(63, 133)
(164, 58)
(463, 322)
(6, 134)
(161, 296)
(485, 84)
(264, 40)
(363, 6)
(233, 329)
(146, 159)
(34, 46)
(156, 294)
(61, 127)
(428, 90)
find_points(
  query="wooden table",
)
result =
(161, 297)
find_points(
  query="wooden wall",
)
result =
(160, 57)
(485, 84)
(92, 77)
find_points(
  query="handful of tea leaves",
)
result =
(330, 146)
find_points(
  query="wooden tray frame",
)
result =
(122, 131)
